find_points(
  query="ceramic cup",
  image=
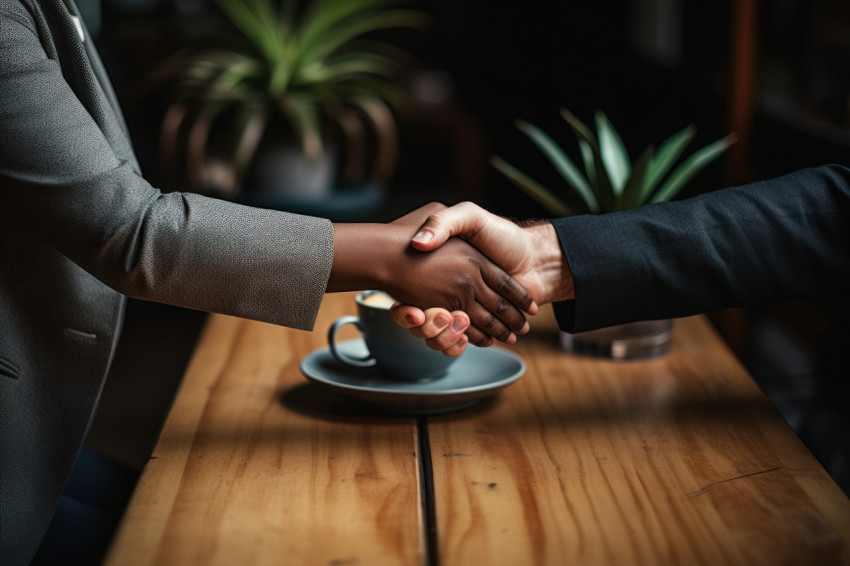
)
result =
(391, 348)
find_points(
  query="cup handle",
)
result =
(364, 362)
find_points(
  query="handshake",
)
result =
(468, 276)
(780, 239)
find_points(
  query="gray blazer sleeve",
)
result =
(62, 182)
(785, 238)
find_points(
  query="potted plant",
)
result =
(610, 181)
(287, 88)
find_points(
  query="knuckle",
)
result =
(465, 284)
(428, 331)
(507, 284)
(446, 341)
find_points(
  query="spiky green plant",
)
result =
(610, 180)
(307, 63)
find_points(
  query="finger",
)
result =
(446, 348)
(507, 317)
(488, 323)
(407, 316)
(415, 216)
(478, 338)
(450, 335)
(437, 320)
(510, 297)
(458, 348)
(464, 219)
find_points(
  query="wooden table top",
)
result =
(678, 460)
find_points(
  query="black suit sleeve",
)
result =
(786, 238)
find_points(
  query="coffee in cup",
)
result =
(392, 349)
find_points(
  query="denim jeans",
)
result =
(89, 511)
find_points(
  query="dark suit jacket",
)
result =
(80, 228)
(785, 238)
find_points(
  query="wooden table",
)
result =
(680, 460)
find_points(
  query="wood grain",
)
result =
(254, 466)
(679, 460)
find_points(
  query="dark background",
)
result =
(653, 66)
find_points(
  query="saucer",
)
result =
(478, 373)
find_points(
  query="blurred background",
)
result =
(774, 72)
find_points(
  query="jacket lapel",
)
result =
(85, 73)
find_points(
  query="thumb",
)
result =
(464, 219)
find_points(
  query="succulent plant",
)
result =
(306, 63)
(610, 180)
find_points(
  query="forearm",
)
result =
(180, 248)
(785, 238)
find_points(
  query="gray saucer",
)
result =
(479, 373)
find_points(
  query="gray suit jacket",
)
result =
(80, 228)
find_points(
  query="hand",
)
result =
(458, 277)
(450, 340)
(441, 329)
(532, 255)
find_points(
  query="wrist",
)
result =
(361, 252)
(550, 264)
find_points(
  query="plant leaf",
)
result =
(348, 66)
(175, 115)
(196, 146)
(588, 159)
(322, 16)
(535, 190)
(235, 73)
(600, 182)
(667, 154)
(631, 196)
(304, 114)
(561, 162)
(253, 121)
(615, 158)
(354, 131)
(325, 45)
(257, 24)
(382, 121)
(691, 166)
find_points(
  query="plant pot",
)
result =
(282, 178)
(631, 341)
(281, 171)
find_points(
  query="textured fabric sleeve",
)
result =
(785, 238)
(61, 181)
